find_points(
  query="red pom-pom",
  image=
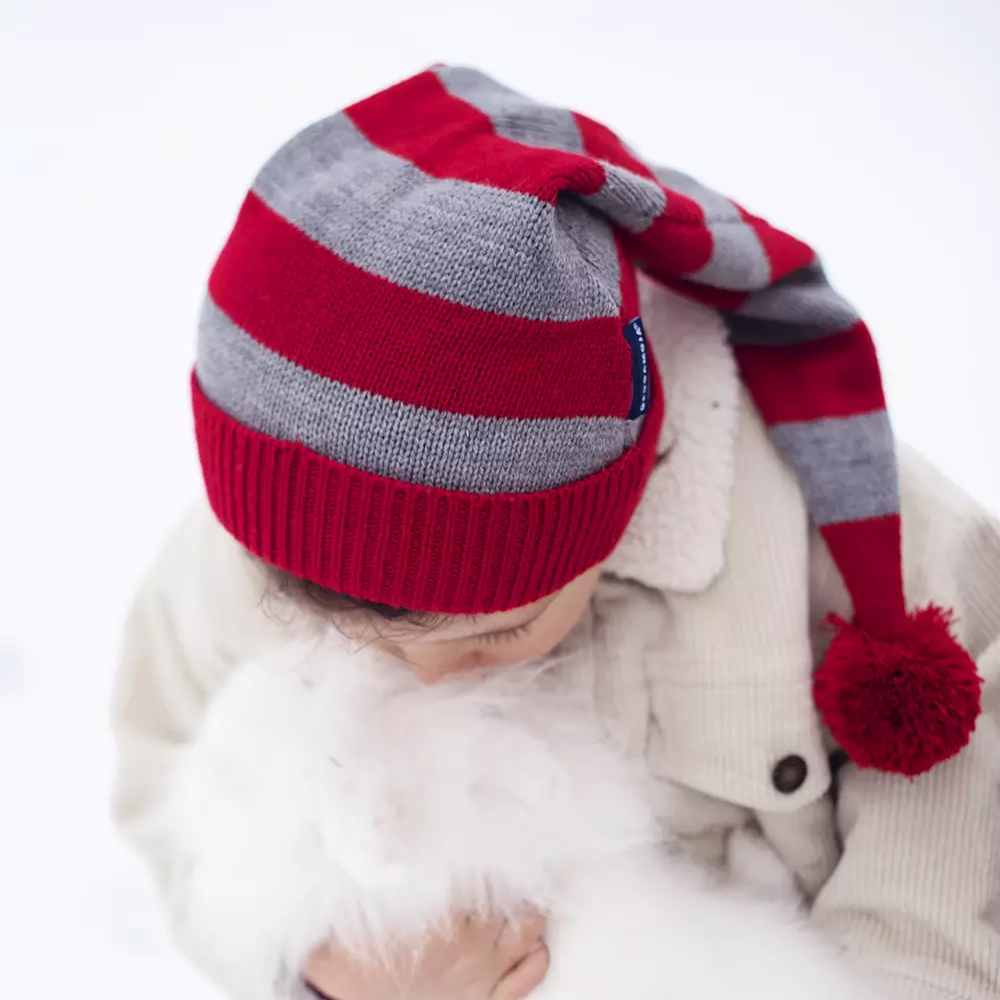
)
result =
(902, 704)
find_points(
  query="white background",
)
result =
(128, 134)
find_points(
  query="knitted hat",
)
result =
(422, 379)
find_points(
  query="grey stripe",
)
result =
(714, 205)
(513, 115)
(483, 247)
(738, 263)
(629, 200)
(798, 308)
(768, 332)
(270, 394)
(846, 465)
(801, 306)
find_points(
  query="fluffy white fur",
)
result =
(329, 793)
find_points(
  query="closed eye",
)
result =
(493, 638)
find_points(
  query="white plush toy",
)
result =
(331, 794)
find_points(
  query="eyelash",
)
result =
(493, 638)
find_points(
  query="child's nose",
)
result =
(429, 666)
(432, 673)
(434, 666)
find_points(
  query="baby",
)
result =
(438, 407)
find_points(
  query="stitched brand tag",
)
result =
(636, 337)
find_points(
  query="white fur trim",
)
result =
(753, 863)
(676, 539)
(334, 794)
(329, 794)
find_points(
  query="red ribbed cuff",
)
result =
(410, 546)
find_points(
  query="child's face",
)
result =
(469, 642)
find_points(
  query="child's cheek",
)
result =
(542, 639)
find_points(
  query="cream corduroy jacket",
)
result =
(704, 633)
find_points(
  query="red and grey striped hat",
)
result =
(422, 379)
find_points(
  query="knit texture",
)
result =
(405, 544)
(421, 374)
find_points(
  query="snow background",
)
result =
(128, 134)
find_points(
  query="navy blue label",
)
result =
(636, 337)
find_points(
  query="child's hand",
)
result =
(478, 960)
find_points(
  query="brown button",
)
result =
(789, 774)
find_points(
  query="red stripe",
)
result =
(337, 320)
(420, 121)
(677, 243)
(629, 286)
(837, 376)
(867, 553)
(786, 253)
(600, 142)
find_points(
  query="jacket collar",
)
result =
(676, 539)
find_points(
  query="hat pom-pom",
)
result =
(899, 704)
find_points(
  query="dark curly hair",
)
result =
(333, 604)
